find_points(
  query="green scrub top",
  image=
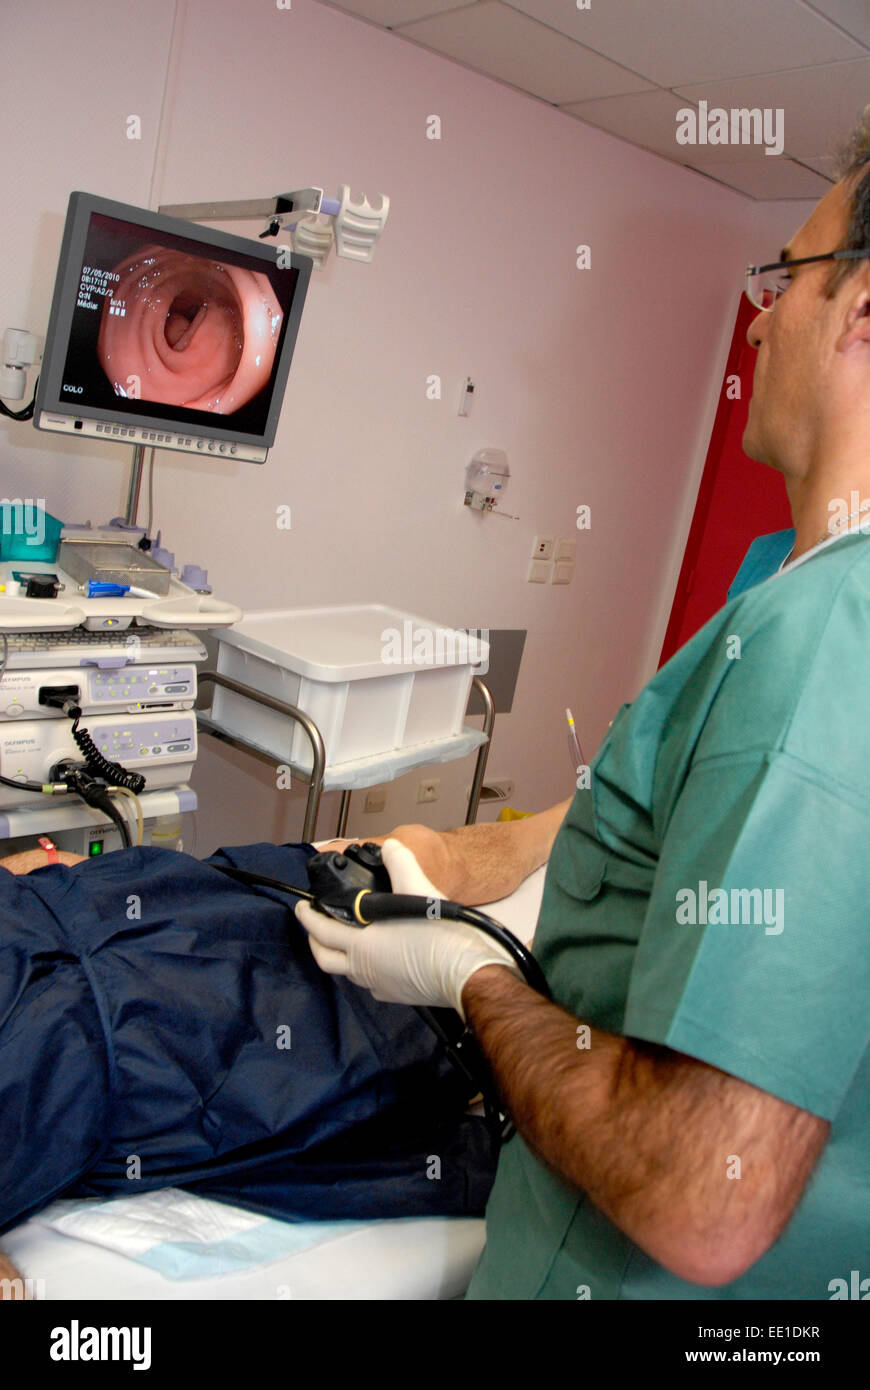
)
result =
(762, 559)
(743, 766)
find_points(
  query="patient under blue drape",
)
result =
(162, 1025)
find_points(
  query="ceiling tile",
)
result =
(392, 12)
(824, 164)
(648, 119)
(675, 42)
(776, 178)
(493, 38)
(820, 104)
(851, 15)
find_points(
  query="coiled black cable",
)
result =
(113, 773)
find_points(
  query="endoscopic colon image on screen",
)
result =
(185, 330)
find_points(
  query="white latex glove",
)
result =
(408, 961)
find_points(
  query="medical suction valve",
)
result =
(338, 879)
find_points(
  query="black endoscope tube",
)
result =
(383, 907)
(369, 907)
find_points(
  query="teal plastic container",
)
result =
(27, 532)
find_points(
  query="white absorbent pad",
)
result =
(184, 1236)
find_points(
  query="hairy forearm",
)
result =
(491, 861)
(482, 863)
(649, 1134)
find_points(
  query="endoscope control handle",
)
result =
(333, 875)
(353, 887)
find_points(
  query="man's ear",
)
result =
(856, 329)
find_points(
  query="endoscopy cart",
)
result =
(372, 692)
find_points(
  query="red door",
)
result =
(738, 500)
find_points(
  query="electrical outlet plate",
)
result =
(375, 801)
(542, 547)
(562, 573)
(538, 572)
(565, 550)
(428, 790)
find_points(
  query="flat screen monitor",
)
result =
(163, 332)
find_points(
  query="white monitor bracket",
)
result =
(313, 221)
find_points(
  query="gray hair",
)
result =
(853, 168)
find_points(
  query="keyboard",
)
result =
(78, 647)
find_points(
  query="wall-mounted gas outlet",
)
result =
(428, 790)
(494, 789)
(502, 790)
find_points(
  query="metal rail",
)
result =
(483, 752)
(315, 778)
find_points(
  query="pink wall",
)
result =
(600, 384)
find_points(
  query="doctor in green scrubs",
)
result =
(694, 1107)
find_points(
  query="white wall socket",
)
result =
(428, 790)
(542, 547)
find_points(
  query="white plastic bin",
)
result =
(374, 680)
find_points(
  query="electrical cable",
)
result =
(104, 803)
(93, 782)
(137, 808)
(44, 788)
(96, 794)
(150, 491)
(112, 773)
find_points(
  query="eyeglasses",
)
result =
(765, 283)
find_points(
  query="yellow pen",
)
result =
(574, 744)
